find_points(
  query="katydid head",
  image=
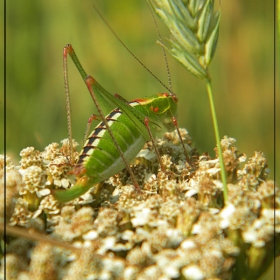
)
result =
(165, 107)
(166, 110)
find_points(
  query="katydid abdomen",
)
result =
(100, 157)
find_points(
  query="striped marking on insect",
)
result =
(120, 135)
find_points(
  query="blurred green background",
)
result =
(242, 71)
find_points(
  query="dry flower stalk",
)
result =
(178, 228)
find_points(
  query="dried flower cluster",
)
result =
(178, 227)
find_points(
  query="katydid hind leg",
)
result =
(102, 100)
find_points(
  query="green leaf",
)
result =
(212, 41)
(204, 20)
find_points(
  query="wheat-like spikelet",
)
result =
(194, 28)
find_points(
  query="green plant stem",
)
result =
(217, 136)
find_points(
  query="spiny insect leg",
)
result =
(180, 136)
(146, 120)
(68, 104)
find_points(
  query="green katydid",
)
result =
(120, 135)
